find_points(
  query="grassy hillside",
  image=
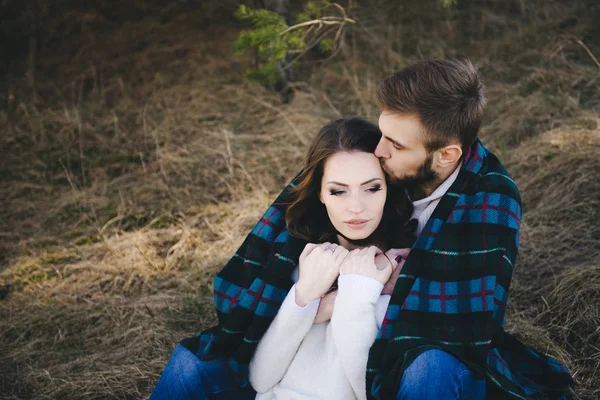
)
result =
(147, 159)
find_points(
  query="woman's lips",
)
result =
(356, 223)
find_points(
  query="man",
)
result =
(442, 336)
(431, 113)
(431, 116)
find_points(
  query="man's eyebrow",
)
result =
(393, 141)
(362, 184)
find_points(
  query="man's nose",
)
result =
(381, 150)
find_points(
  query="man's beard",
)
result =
(425, 174)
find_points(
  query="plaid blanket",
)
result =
(451, 293)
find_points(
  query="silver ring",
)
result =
(330, 247)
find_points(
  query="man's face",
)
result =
(402, 151)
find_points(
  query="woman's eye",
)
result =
(336, 192)
(374, 189)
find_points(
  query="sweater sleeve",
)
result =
(281, 341)
(381, 308)
(354, 326)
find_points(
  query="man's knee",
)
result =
(432, 364)
(432, 374)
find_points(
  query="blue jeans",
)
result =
(187, 377)
(434, 374)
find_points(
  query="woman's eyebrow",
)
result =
(370, 180)
(362, 184)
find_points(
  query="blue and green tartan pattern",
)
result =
(451, 293)
(475, 295)
(453, 289)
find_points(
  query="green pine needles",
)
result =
(279, 46)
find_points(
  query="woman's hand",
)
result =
(325, 310)
(319, 267)
(397, 258)
(362, 262)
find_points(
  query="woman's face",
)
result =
(353, 190)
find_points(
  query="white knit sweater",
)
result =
(297, 359)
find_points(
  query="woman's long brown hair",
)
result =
(306, 217)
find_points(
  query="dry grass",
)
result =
(99, 321)
(555, 298)
(121, 203)
(149, 159)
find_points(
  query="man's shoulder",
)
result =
(486, 195)
(494, 178)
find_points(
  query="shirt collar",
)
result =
(440, 190)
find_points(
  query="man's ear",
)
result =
(449, 155)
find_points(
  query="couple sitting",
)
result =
(324, 300)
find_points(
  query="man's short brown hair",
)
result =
(446, 95)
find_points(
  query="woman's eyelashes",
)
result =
(338, 192)
(374, 189)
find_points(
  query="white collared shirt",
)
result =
(423, 208)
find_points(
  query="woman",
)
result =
(342, 201)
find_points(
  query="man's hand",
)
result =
(397, 258)
(325, 310)
(319, 267)
(362, 262)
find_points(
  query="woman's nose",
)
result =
(355, 205)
